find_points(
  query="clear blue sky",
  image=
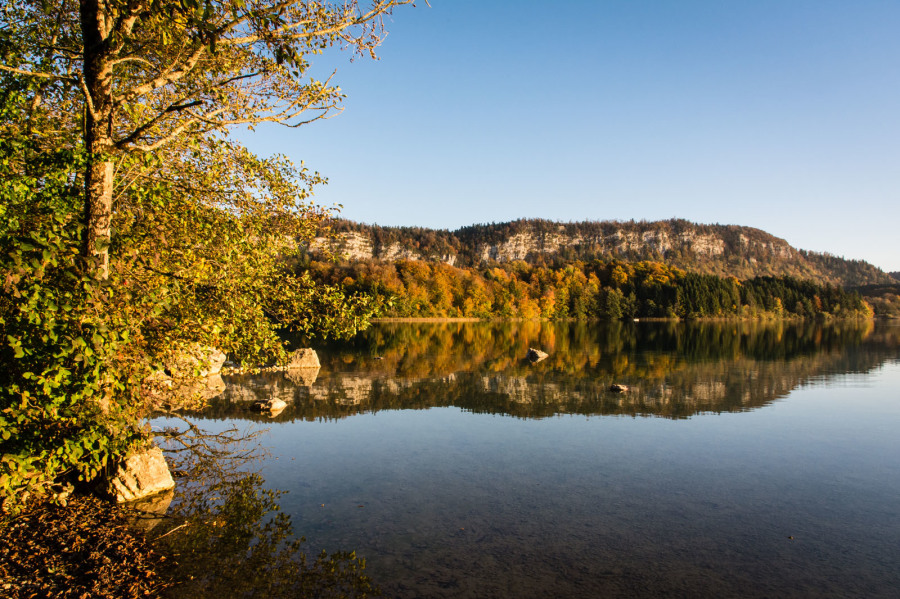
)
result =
(777, 114)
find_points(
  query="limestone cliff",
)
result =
(725, 250)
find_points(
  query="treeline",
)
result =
(608, 290)
(884, 299)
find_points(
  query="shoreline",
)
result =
(428, 319)
(765, 318)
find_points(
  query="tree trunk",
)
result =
(96, 19)
(98, 207)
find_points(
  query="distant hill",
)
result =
(723, 250)
(895, 275)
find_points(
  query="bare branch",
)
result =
(82, 84)
(136, 59)
(380, 8)
(3, 67)
(173, 73)
(174, 134)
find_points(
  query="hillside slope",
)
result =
(724, 250)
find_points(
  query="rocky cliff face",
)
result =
(723, 250)
(357, 246)
(523, 245)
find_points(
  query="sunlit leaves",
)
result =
(190, 67)
(597, 289)
(203, 232)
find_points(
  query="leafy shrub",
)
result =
(64, 396)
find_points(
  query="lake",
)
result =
(746, 459)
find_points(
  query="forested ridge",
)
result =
(610, 290)
(723, 250)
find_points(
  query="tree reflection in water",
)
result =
(673, 370)
(225, 532)
(617, 507)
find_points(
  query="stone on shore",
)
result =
(304, 358)
(195, 361)
(143, 474)
(535, 355)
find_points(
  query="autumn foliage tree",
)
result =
(609, 290)
(132, 224)
(143, 75)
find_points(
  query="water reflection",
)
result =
(673, 369)
(226, 533)
(797, 501)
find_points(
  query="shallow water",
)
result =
(746, 460)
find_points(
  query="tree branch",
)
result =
(3, 67)
(174, 72)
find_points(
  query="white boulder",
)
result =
(141, 475)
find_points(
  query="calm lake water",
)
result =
(747, 460)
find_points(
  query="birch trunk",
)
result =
(96, 19)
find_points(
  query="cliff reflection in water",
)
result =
(674, 370)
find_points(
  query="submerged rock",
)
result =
(141, 475)
(150, 511)
(535, 355)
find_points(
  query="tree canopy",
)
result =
(142, 75)
(132, 225)
(598, 289)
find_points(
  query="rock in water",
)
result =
(617, 388)
(141, 475)
(150, 511)
(164, 393)
(273, 406)
(304, 358)
(535, 355)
